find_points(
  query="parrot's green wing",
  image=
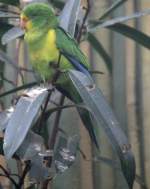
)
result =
(68, 45)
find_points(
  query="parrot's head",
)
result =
(38, 16)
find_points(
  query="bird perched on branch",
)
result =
(51, 49)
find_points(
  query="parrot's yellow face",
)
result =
(25, 22)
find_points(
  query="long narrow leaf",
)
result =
(100, 50)
(57, 4)
(1, 146)
(4, 26)
(22, 119)
(10, 2)
(26, 86)
(112, 8)
(104, 117)
(7, 15)
(12, 34)
(132, 33)
(68, 17)
(94, 25)
(6, 59)
(10, 8)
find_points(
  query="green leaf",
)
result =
(4, 58)
(10, 2)
(4, 27)
(1, 146)
(97, 24)
(12, 34)
(105, 118)
(26, 86)
(9, 8)
(68, 17)
(100, 50)
(57, 4)
(132, 33)
(18, 126)
(112, 8)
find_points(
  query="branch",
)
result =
(8, 176)
(8, 81)
(40, 124)
(52, 140)
(26, 170)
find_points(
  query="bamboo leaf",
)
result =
(68, 17)
(132, 33)
(25, 86)
(57, 4)
(100, 50)
(12, 34)
(10, 2)
(18, 125)
(4, 27)
(112, 8)
(105, 118)
(5, 117)
(97, 24)
(1, 146)
(32, 149)
(7, 15)
(6, 59)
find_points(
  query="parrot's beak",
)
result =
(23, 22)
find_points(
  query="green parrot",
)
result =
(52, 49)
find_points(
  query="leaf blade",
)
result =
(68, 17)
(25, 86)
(132, 33)
(112, 8)
(104, 117)
(94, 25)
(12, 34)
(18, 125)
(100, 50)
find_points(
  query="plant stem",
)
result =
(44, 110)
(9, 177)
(52, 139)
(26, 170)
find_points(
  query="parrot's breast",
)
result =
(43, 52)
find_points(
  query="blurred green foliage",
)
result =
(10, 2)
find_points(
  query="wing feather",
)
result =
(65, 43)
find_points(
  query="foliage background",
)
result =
(127, 90)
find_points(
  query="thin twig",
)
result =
(54, 79)
(44, 110)
(8, 176)
(96, 72)
(114, 6)
(8, 81)
(52, 139)
(62, 107)
(26, 70)
(5, 58)
(26, 170)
